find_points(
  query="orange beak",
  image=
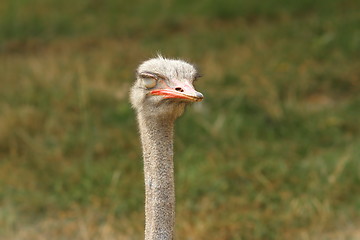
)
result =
(192, 96)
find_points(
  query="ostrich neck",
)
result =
(157, 143)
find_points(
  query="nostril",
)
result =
(179, 89)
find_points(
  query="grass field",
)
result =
(272, 153)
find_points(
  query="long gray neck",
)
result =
(157, 143)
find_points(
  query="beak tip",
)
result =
(199, 95)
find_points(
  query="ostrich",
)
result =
(159, 95)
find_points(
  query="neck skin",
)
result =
(157, 143)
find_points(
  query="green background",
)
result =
(271, 153)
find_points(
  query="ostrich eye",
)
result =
(149, 82)
(149, 79)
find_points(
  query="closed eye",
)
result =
(149, 79)
(152, 75)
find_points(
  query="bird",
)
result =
(162, 90)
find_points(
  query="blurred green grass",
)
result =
(272, 153)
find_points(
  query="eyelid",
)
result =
(148, 75)
(149, 79)
(154, 75)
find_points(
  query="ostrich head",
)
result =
(164, 87)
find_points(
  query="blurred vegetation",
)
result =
(272, 153)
